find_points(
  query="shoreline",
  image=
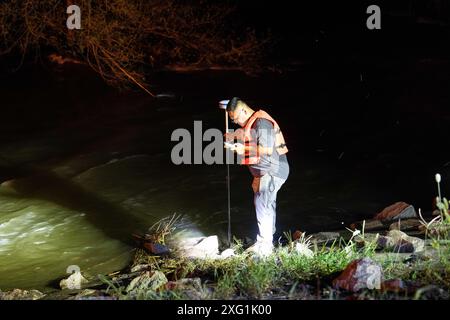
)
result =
(410, 262)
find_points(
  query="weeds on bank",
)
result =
(242, 276)
(287, 269)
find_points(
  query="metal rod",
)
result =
(228, 185)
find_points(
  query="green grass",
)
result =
(286, 273)
(242, 276)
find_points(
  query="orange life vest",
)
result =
(252, 157)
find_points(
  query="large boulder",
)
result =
(73, 282)
(397, 211)
(360, 274)
(199, 247)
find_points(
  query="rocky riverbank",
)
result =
(396, 255)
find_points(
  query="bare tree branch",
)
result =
(119, 39)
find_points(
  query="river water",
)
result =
(84, 166)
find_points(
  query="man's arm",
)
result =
(260, 149)
(265, 137)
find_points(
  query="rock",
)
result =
(185, 284)
(74, 281)
(227, 253)
(325, 237)
(399, 241)
(396, 285)
(395, 241)
(303, 250)
(140, 268)
(360, 274)
(199, 247)
(18, 294)
(397, 211)
(297, 235)
(156, 248)
(10, 183)
(406, 225)
(368, 225)
(147, 242)
(400, 246)
(432, 292)
(399, 286)
(147, 281)
(191, 288)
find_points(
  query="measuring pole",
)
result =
(223, 105)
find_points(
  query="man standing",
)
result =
(263, 149)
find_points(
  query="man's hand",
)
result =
(239, 148)
(238, 134)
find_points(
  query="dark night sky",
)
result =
(340, 26)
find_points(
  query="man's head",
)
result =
(238, 111)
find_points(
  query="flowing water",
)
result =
(83, 166)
